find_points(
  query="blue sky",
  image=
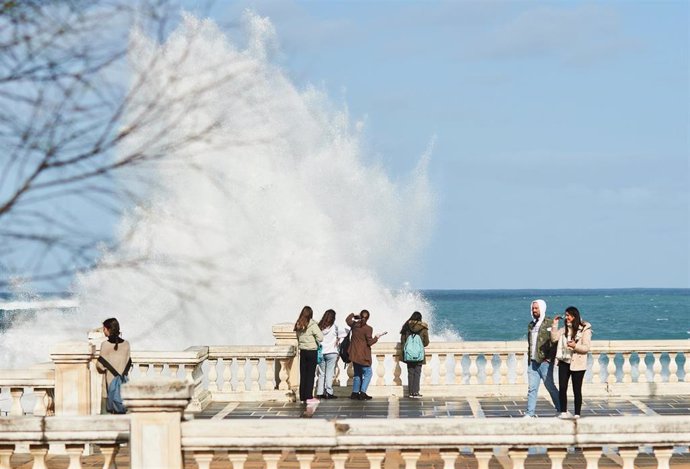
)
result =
(562, 128)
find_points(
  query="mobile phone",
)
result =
(557, 318)
(383, 333)
(356, 318)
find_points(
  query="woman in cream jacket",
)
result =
(574, 341)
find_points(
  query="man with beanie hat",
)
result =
(541, 357)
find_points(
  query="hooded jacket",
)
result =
(414, 327)
(583, 341)
(545, 348)
(310, 338)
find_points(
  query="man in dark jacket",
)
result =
(541, 352)
(361, 340)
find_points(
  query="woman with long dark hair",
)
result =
(115, 351)
(417, 332)
(574, 341)
(331, 339)
(309, 336)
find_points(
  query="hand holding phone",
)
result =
(382, 334)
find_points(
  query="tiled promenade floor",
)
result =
(427, 407)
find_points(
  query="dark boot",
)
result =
(354, 396)
(364, 396)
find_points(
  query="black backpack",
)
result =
(343, 348)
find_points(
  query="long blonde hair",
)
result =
(303, 319)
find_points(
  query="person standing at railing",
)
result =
(362, 338)
(309, 336)
(541, 352)
(413, 353)
(573, 342)
(114, 357)
(331, 339)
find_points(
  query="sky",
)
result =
(560, 130)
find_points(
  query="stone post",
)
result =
(96, 338)
(285, 335)
(72, 377)
(155, 407)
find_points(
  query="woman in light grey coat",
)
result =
(309, 336)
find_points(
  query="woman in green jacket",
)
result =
(309, 336)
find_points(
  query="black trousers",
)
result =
(578, 377)
(307, 372)
(414, 376)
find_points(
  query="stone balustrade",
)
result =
(60, 435)
(637, 367)
(32, 390)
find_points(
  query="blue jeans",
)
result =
(360, 382)
(326, 373)
(537, 372)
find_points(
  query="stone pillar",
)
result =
(96, 338)
(285, 335)
(72, 377)
(155, 407)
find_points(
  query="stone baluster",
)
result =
(74, 451)
(410, 456)
(212, 375)
(41, 406)
(448, 456)
(350, 374)
(253, 374)
(627, 367)
(16, 409)
(144, 369)
(426, 370)
(557, 456)
(611, 369)
(592, 455)
(596, 368)
(483, 457)
(663, 456)
(270, 382)
(241, 375)
(237, 458)
(39, 453)
(158, 369)
(375, 458)
(489, 368)
(474, 370)
(271, 458)
(672, 368)
(174, 369)
(503, 368)
(380, 370)
(442, 368)
(337, 373)
(642, 367)
(520, 360)
(109, 451)
(305, 458)
(6, 452)
(397, 372)
(518, 457)
(339, 457)
(283, 374)
(155, 409)
(628, 455)
(72, 377)
(203, 458)
(227, 375)
(458, 378)
(657, 368)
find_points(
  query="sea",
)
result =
(615, 314)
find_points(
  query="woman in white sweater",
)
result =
(331, 340)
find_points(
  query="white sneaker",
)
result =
(565, 415)
(527, 416)
(312, 401)
(576, 416)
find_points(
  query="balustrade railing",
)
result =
(62, 435)
(499, 368)
(442, 441)
(31, 390)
